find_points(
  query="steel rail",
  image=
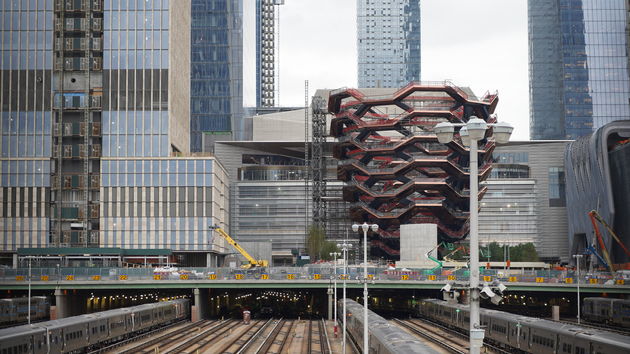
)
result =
(435, 339)
(266, 344)
(222, 327)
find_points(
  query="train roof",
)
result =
(10, 332)
(606, 337)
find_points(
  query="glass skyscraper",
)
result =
(578, 61)
(388, 41)
(216, 84)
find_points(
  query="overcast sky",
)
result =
(476, 43)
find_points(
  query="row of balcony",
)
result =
(78, 151)
(78, 5)
(77, 129)
(76, 181)
(71, 101)
(75, 237)
(80, 24)
(78, 213)
(78, 64)
(78, 44)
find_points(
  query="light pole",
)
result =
(355, 228)
(334, 255)
(578, 259)
(470, 133)
(29, 290)
(344, 248)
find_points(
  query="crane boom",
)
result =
(252, 261)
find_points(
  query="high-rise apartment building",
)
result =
(96, 110)
(388, 41)
(578, 66)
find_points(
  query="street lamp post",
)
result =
(470, 133)
(365, 227)
(344, 248)
(335, 255)
(578, 258)
(29, 290)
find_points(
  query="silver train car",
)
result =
(614, 312)
(85, 332)
(15, 310)
(527, 334)
(385, 338)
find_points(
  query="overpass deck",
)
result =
(297, 284)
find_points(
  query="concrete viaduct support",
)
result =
(200, 308)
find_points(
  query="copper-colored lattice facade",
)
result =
(396, 171)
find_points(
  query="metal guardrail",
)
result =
(308, 273)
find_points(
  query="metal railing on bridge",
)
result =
(301, 274)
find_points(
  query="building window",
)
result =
(556, 187)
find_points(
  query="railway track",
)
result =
(276, 341)
(449, 339)
(166, 340)
(317, 342)
(454, 343)
(211, 338)
(116, 347)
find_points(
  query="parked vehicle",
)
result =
(384, 338)
(526, 334)
(90, 331)
(15, 310)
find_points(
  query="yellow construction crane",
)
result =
(253, 263)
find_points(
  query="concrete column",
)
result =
(15, 261)
(64, 307)
(201, 304)
(211, 261)
(555, 312)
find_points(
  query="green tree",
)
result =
(317, 246)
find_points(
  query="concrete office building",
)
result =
(526, 198)
(578, 66)
(388, 42)
(91, 110)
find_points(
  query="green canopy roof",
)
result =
(68, 251)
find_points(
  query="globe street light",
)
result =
(365, 228)
(345, 247)
(578, 259)
(471, 133)
(335, 255)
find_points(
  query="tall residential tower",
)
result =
(578, 66)
(388, 41)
